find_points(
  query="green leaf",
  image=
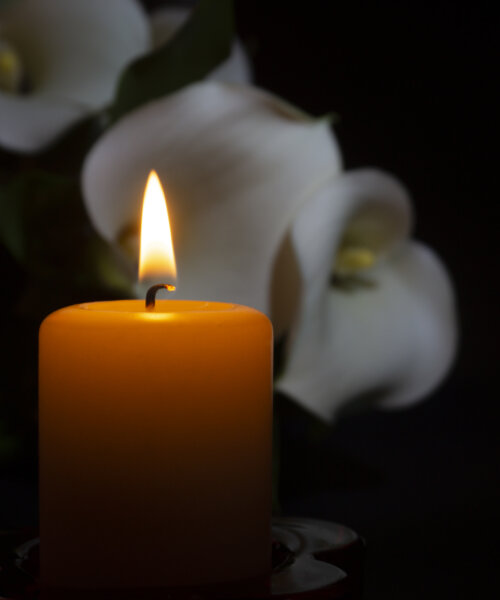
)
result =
(9, 444)
(203, 43)
(22, 201)
(67, 153)
(5, 3)
(44, 225)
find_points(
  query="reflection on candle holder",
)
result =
(311, 560)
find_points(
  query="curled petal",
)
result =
(30, 123)
(389, 342)
(303, 264)
(166, 22)
(236, 69)
(73, 49)
(72, 53)
(374, 210)
(236, 164)
(366, 208)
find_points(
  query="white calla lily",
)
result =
(359, 214)
(61, 59)
(388, 334)
(236, 164)
(262, 215)
(166, 22)
(70, 53)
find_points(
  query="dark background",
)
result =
(413, 85)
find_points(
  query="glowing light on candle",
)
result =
(157, 259)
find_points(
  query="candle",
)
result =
(155, 444)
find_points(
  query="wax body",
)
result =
(155, 445)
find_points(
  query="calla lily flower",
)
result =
(236, 164)
(263, 215)
(385, 332)
(60, 60)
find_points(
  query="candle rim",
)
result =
(161, 306)
(132, 312)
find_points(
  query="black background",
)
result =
(413, 85)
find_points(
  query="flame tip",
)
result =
(157, 259)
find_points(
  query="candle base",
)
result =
(311, 559)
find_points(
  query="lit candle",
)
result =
(155, 441)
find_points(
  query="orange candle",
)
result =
(155, 444)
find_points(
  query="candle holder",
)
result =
(311, 559)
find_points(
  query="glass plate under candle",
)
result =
(312, 559)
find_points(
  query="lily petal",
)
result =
(236, 69)
(166, 22)
(374, 210)
(67, 75)
(27, 124)
(389, 343)
(365, 207)
(52, 37)
(236, 164)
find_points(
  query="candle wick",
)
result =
(153, 290)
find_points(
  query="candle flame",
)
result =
(156, 260)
